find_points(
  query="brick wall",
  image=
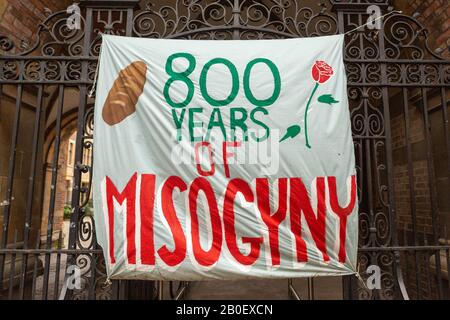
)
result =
(19, 19)
(435, 16)
(418, 273)
(419, 171)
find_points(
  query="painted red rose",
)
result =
(321, 71)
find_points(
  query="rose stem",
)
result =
(306, 112)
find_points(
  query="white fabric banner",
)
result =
(224, 159)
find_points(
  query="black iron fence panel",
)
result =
(398, 92)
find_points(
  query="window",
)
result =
(68, 191)
(70, 153)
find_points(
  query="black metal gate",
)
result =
(398, 93)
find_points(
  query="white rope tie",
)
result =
(107, 282)
(359, 277)
(372, 21)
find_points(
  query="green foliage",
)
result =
(89, 208)
(67, 212)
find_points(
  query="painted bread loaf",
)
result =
(123, 96)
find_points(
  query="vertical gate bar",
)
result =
(361, 39)
(447, 145)
(427, 271)
(94, 256)
(310, 288)
(446, 252)
(122, 288)
(346, 280)
(160, 290)
(369, 185)
(389, 164)
(92, 279)
(54, 181)
(12, 269)
(391, 196)
(75, 202)
(11, 169)
(446, 129)
(58, 265)
(35, 268)
(432, 185)
(236, 22)
(368, 158)
(129, 25)
(30, 191)
(115, 290)
(412, 193)
(447, 256)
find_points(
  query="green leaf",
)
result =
(291, 132)
(327, 98)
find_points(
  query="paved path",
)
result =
(325, 288)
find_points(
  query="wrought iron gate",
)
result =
(392, 78)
